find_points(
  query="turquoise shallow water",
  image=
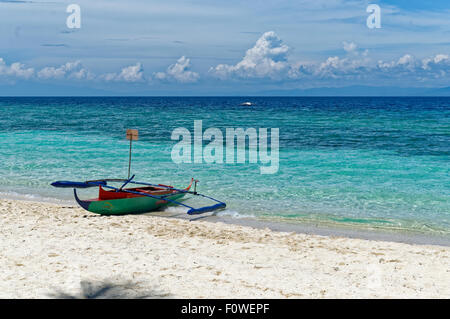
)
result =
(364, 162)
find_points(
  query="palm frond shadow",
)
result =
(109, 290)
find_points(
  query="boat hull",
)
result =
(128, 205)
(136, 205)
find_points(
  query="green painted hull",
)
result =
(135, 205)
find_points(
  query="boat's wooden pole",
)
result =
(129, 160)
(132, 135)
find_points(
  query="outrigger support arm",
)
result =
(124, 184)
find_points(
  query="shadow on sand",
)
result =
(109, 290)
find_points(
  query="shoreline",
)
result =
(406, 237)
(299, 227)
(55, 251)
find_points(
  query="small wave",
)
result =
(175, 210)
(234, 214)
(33, 197)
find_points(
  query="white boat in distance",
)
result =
(247, 104)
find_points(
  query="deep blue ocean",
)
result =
(364, 162)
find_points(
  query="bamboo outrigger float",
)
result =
(145, 198)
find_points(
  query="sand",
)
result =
(51, 251)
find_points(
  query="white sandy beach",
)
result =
(49, 251)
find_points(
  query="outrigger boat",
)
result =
(148, 197)
(145, 198)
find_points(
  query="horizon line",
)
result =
(199, 96)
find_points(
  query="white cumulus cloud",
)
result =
(349, 46)
(180, 72)
(15, 70)
(411, 68)
(267, 58)
(437, 61)
(132, 73)
(71, 70)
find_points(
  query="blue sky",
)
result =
(220, 47)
